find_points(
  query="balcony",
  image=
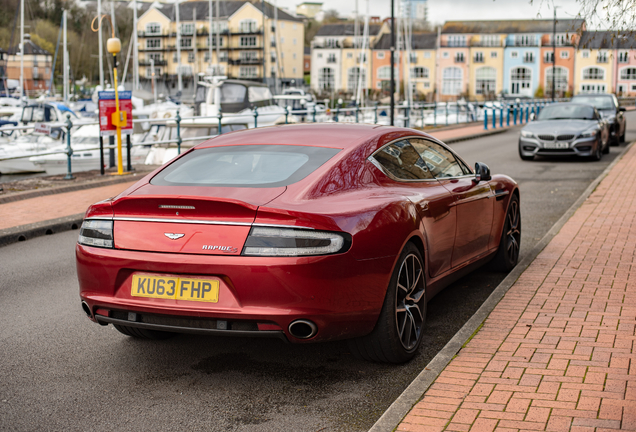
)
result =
(486, 44)
(246, 61)
(330, 45)
(146, 62)
(446, 44)
(521, 44)
(248, 32)
(146, 34)
(331, 60)
(528, 59)
(478, 59)
(460, 60)
(601, 60)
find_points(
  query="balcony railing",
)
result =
(460, 60)
(157, 62)
(478, 59)
(522, 44)
(486, 44)
(528, 59)
(246, 61)
(446, 44)
(331, 60)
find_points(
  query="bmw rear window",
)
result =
(244, 166)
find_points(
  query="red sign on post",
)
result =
(107, 108)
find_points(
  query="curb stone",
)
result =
(393, 416)
(38, 229)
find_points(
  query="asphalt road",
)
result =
(62, 372)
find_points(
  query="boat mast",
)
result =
(101, 47)
(65, 59)
(179, 81)
(218, 39)
(135, 49)
(22, 92)
(194, 44)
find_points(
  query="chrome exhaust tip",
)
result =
(87, 310)
(302, 329)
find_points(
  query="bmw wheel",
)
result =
(398, 333)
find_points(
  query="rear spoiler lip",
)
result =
(194, 221)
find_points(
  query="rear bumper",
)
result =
(258, 296)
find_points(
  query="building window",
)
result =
(153, 43)
(593, 88)
(282, 40)
(156, 57)
(293, 41)
(479, 57)
(514, 54)
(489, 40)
(520, 80)
(353, 76)
(331, 58)
(585, 53)
(149, 72)
(294, 71)
(319, 55)
(446, 54)
(560, 40)
(623, 57)
(249, 56)
(326, 79)
(564, 54)
(601, 57)
(186, 42)
(332, 43)
(248, 26)
(384, 72)
(349, 55)
(248, 72)
(206, 57)
(452, 81)
(380, 55)
(486, 80)
(549, 57)
(36, 73)
(493, 54)
(294, 56)
(191, 57)
(413, 58)
(187, 28)
(593, 73)
(628, 74)
(560, 77)
(153, 28)
(459, 57)
(419, 72)
(524, 40)
(247, 41)
(457, 41)
(427, 54)
(528, 57)
(221, 42)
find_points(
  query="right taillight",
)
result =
(267, 241)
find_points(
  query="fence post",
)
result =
(494, 118)
(357, 112)
(337, 112)
(286, 115)
(422, 113)
(446, 113)
(101, 154)
(314, 116)
(507, 115)
(407, 116)
(501, 117)
(255, 118)
(178, 120)
(485, 119)
(69, 149)
(435, 115)
(514, 114)
(376, 113)
(220, 116)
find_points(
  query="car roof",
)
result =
(333, 135)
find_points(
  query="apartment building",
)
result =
(337, 60)
(37, 67)
(421, 63)
(257, 41)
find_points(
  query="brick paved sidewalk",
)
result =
(557, 353)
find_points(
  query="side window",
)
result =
(441, 162)
(402, 161)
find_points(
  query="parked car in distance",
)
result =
(565, 129)
(306, 232)
(607, 105)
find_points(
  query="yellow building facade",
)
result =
(485, 64)
(252, 46)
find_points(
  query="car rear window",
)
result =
(244, 166)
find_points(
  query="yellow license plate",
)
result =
(177, 288)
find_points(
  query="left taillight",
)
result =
(97, 233)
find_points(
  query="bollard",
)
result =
(485, 119)
(69, 149)
(286, 115)
(376, 113)
(255, 118)
(178, 120)
(128, 147)
(446, 113)
(494, 118)
(514, 114)
(507, 115)
(357, 112)
(501, 117)
(220, 116)
(101, 154)
(435, 115)
(422, 114)
(457, 115)
(337, 113)
(407, 116)
(527, 113)
(314, 116)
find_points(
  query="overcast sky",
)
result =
(446, 10)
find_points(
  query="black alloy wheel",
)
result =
(398, 332)
(508, 253)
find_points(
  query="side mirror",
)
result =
(482, 172)
(532, 116)
(622, 109)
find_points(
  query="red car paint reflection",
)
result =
(313, 232)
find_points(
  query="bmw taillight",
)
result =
(266, 241)
(96, 232)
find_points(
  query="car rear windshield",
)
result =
(567, 112)
(598, 102)
(244, 166)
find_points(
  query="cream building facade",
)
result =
(253, 45)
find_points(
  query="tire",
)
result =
(616, 140)
(140, 333)
(606, 149)
(508, 253)
(398, 332)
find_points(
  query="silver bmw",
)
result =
(565, 129)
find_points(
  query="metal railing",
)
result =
(494, 114)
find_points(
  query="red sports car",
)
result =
(308, 232)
